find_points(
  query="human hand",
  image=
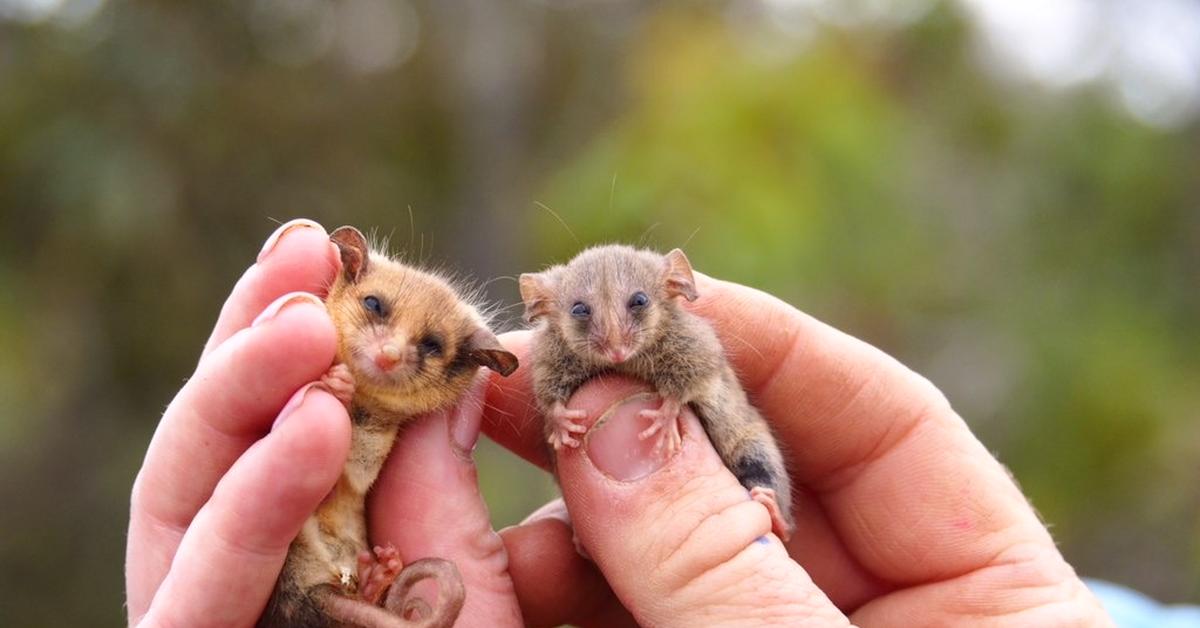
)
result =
(903, 517)
(248, 448)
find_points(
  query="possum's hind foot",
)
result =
(779, 525)
(376, 572)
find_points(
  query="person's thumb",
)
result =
(678, 539)
(427, 503)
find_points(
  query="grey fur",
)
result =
(676, 351)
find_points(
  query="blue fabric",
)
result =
(1131, 609)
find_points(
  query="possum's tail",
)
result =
(744, 441)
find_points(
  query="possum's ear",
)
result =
(485, 350)
(678, 276)
(352, 247)
(537, 291)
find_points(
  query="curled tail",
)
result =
(327, 605)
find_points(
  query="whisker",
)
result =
(612, 191)
(560, 221)
(642, 241)
(746, 343)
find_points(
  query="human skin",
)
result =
(903, 517)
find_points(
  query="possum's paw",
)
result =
(376, 572)
(564, 425)
(779, 525)
(665, 423)
(339, 381)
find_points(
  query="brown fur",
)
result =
(671, 348)
(420, 312)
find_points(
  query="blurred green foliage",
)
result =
(1036, 254)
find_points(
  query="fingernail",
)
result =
(467, 417)
(556, 509)
(279, 304)
(296, 401)
(273, 240)
(613, 445)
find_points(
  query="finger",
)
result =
(231, 555)
(911, 491)
(678, 539)
(510, 416)
(297, 257)
(427, 503)
(226, 406)
(553, 583)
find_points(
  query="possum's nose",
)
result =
(618, 354)
(389, 356)
(614, 345)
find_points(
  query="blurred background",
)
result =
(1005, 195)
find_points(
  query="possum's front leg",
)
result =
(683, 364)
(555, 379)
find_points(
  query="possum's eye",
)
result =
(373, 305)
(638, 301)
(580, 310)
(430, 346)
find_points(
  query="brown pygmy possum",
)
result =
(408, 344)
(614, 309)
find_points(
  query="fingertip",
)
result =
(300, 248)
(306, 324)
(317, 431)
(554, 509)
(290, 226)
(297, 257)
(510, 415)
(517, 340)
(464, 420)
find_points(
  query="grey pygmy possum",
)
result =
(615, 309)
(408, 344)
